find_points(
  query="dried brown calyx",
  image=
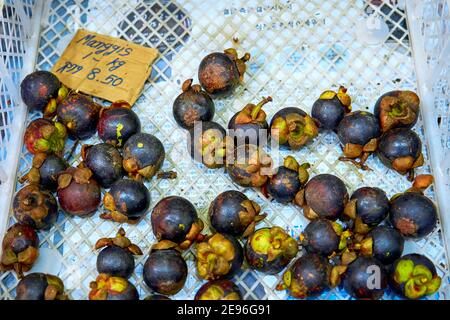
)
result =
(252, 113)
(400, 109)
(121, 241)
(250, 216)
(240, 62)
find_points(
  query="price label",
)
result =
(106, 67)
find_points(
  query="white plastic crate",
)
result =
(299, 48)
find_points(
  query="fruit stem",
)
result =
(259, 106)
(167, 175)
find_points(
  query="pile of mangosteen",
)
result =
(350, 238)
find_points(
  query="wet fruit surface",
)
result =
(413, 214)
(220, 73)
(118, 123)
(117, 257)
(143, 156)
(207, 144)
(401, 150)
(250, 125)
(40, 286)
(79, 114)
(250, 166)
(368, 207)
(307, 277)
(40, 90)
(325, 196)
(127, 200)
(219, 290)
(35, 207)
(414, 276)
(292, 128)
(231, 212)
(175, 218)
(218, 256)
(78, 192)
(330, 108)
(269, 250)
(397, 109)
(365, 278)
(107, 287)
(193, 104)
(45, 136)
(20, 248)
(321, 236)
(165, 271)
(105, 162)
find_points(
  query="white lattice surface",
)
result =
(299, 48)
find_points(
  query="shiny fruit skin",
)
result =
(388, 244)
(115, 261)
(320, 237)
(80, 115)
(131, 198)
(38, 88)
(49, 171)
(328, 113)
(105, 162)
(172, 218)
(327, 195)
(227, 289)
(358, 127)
(19, 237)
(116, 125)
(372, 205)
(413, 215)
(165, 271)
(284, 185)
(360, 274)
(32, 287)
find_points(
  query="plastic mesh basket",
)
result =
(299, 48)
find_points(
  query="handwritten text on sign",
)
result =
(105, 67)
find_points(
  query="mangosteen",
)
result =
(41, 90)
(175, 219)
(79, 113)
(45, 170)
(220, 73)
(40, 286)
(127, 200)
(414, 276)
(207, 144)
(107, 287)
(384, 244)
(330, 108)
(292, 128)
(165, 270)
(413, 214)
(156, 297)
(368, 207)
(269, 250)
(19, 248)
(78, 192)
(324, 196)
(288, 180)
(117, 123)
(192, 105)
(249, 124)
(219, 290)
(231, 212)
(43, 135)
(309, 276)
(401, 149)
(249, 166)
(365, 278)
(358, 132)
(218, 256)
(35, 207)
(105, 162)
(397, 109)
(324, 237)
(143, 156)
(117, 257)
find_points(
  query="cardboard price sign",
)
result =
(106, 67)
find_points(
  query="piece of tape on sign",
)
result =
(106, 67)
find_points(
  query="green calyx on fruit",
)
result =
(250, 216)
(215, 257)
(53, 138)
(294, 129)
(50, 108)
(341, 95)
(418, 279)
(291, 163)
(274, 242)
